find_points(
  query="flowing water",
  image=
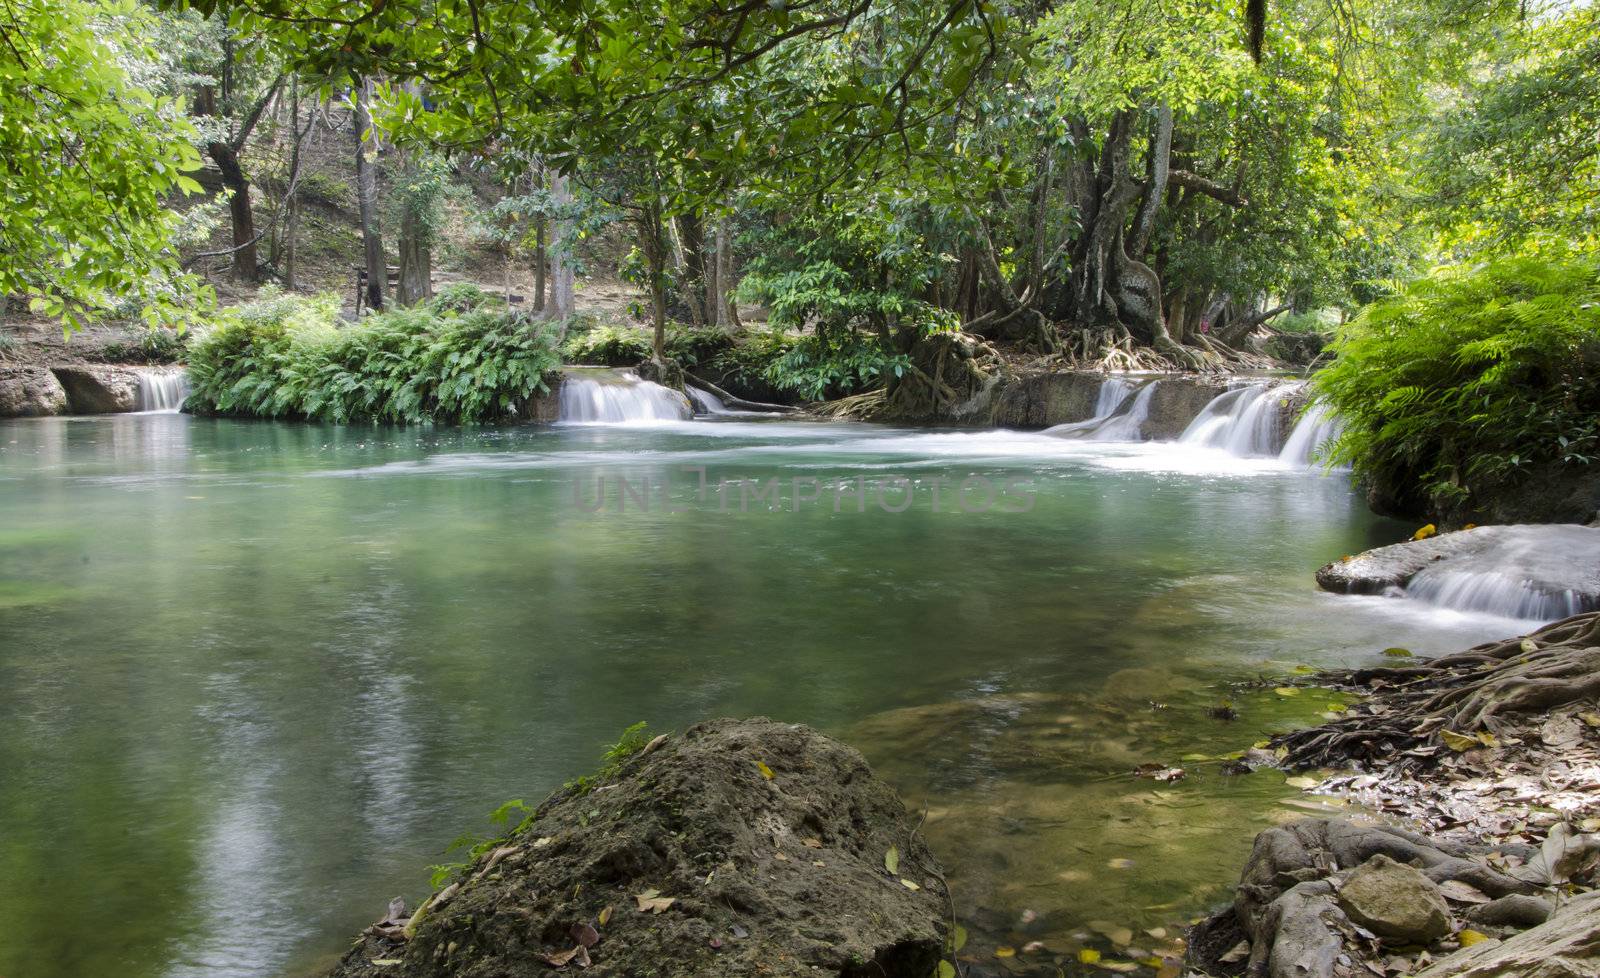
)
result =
(1120, 412)
(1243, 421)
(255, 677)
(162, 390)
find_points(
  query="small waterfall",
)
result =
(1495, 593)
(1242, 421)
(706, 402)
(1119, 414)
(161, 390)
(615, 396)
(1317, 427)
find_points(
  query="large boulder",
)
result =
(1395, 901)
(97, 388)
(1565, 946)
(30, 392)
(1036, 399)
(1175, 402)
(740, 847)
(1554, 565)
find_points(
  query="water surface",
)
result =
(255, 677)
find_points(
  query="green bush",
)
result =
(819, 367)
(694, 346)
(608, 345)
(286, 356)
(156, 345)
(1468, 381)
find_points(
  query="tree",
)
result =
(377, 267)
(86, 161)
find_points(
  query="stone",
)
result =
(1395, 901)
(94, 388)
(1175, 402)
(1513, 910)
(738, 848)
(30, 392)
(1565, 946)
(1554, 567)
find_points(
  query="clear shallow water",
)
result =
(255, 677)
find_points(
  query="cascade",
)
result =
(1119, 414)
(1316, 427)
(1537, 571)
(1242, 421)
(706, 402)
(616, 396)
(161, 390)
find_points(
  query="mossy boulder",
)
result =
(739, 847)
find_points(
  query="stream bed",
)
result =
(256, 677)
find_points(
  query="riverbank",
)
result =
(1483, 771)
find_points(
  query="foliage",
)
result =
(1472, 378)
(632, 741)
(89, 157)
(818, 367)
(610, 345)
(286, 357)
(159, 345)
(692, 346)
(745, 363)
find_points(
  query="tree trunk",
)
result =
(727, 317)
(367, 197)
(539, 257)
(653, 242)
(239, 210)
(416, 261)
(691, 239)
(562, 272)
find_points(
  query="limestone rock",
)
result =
(737, 848)
(1175, 402)
(1565, 946)
(30, 392)
(95, 388)
(1395, 901)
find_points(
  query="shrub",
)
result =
(286, 357)
(1468, 381)
(155, 345)
(818, 367)
(612, 346)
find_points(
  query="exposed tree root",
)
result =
(1417, 710)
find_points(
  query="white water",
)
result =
(706, 402)
(1540, 572)
(161, 390)
(1242, 421)
(618, 397)
(1119, 414)
(1316, 428)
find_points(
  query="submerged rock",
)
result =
(30, 392)
(1528, 571)
(1395, 901)
(740, 847)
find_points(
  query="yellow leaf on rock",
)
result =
(1005, 952)
(1471, 937)
(766, 772)
(947, 970)
(909, 885)
(1425, 532)
(891, 861)
(1088, 955)
(1458, 741)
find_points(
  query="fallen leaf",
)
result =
(811, 843)
(1462, 892)
(585, 935)
(1005, 952)
(1033, 947)
(909, 885)
(1287, 691)
(766, 772)
(946, 970)
(1471, 937)
(1397, 653)
(818, 863)
(1159, 933)
(1119, 863)
(739, 932)
(1237, 953)
(1121, 967)
(1529, 646)
(1302, 782)
(605, 916)
(1088, 955)
(651, 902)
(1458, 741)
(891, 861)
(1425, 532)
(958, 938)
(561, 958)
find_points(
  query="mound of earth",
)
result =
(740, 847)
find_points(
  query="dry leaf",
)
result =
(650, 901)
(1005, 952)
(605, 916)
(891, 861)
(1088, 955)
(1462, 892)
(585, 935)
(1471, 937)
(561, 958)
(766, 772)
(909, 885)
(811, 843)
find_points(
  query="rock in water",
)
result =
(741, 847)
(1565, 946)
(1395, 901)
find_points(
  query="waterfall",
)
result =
(1535, 571)
(161, 390)
(706, 402)
(1242, 421)
(616, 396)
(1119, 414)
(1317, 427)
